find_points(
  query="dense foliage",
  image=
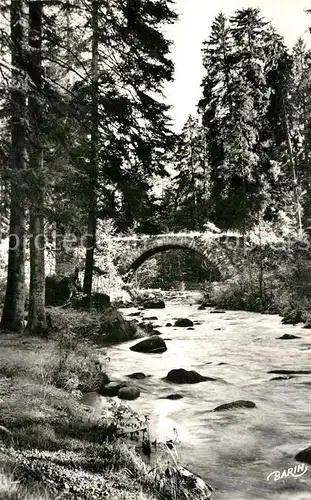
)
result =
(86, 136)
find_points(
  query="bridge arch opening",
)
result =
(147, 254)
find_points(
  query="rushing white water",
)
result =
(236, 450)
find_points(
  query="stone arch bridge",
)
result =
(221, 250)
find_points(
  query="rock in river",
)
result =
(287, 336)
(138, 376)
(304, 456)
(129, 393)
(154, 304)
(184, 322)
(111, 389)
(155, 332)
(154, 344)
(290, 372)
(100, 384)
(182, 376)
(282, 377)
(173, 397)
(235, 405)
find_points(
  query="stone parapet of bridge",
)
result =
(218, 249)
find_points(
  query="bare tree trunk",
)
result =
(14, 304)
(36, 315)
(93, 174)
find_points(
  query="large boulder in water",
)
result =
(154, 344)
(129, 393)
(235, 405)
(154, 304)
(304, 456)
(182, 376)
(183, 322)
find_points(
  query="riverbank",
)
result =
(276, 297)
(52, 444)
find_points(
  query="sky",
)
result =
(193, 27)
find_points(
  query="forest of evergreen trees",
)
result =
(84, 126)
(246, 156)
(86, 132)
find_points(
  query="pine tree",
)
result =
(93, 164)
(112, 140)
(243, 114)
(250, 96)
(191, 182)
(36, 313)
(133, 134)
(217, 110)
(14, 304)
(300, 108)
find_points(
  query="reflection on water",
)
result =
(234, 451)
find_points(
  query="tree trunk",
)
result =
(93, 174)
(65, 255)
(36, 315)
(14, 304)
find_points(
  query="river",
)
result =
(236, 450)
